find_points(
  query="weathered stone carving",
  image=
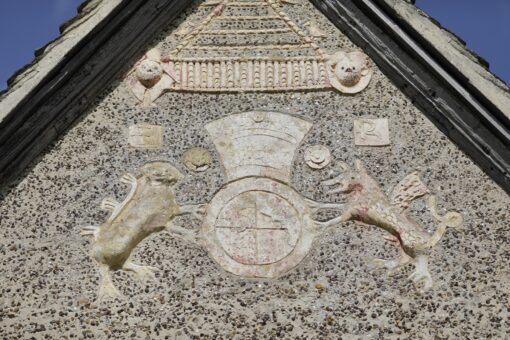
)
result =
(314, 30)
(292, 62)
(317, 156)
(255, 69)
(150, 78)
(149, 207)
(349, 72)
(197, 159)
(371, 132)
(367, 203)
(257, 225)
(145, 136)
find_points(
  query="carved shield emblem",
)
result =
(257, 225)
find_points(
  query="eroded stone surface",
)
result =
(145, 136)
(197, 159)
(49, 283)
(371, 132)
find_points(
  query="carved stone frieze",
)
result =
(238, 60)
(257, 225)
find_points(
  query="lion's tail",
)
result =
(450, 220)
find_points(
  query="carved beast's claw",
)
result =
(183, 233)
(421, 275)
(334, 181)
(392, 266)
(197, 211)
(338, 190)
(422, 279)
(392, 239)
(109, 204)
(108, 290)
(90, 230)
(315, 206)
(128, 179)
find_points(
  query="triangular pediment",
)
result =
(252, 169)
(408, 47)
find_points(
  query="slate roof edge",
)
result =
(443, 94)
(60, 86)
(453, 51)
(57, 96)
(48, 57)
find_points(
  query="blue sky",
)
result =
(26, 25)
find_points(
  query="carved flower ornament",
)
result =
(350, 72)
(150, 78)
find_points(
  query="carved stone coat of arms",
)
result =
(257, 225)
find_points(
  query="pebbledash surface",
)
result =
(222, 282)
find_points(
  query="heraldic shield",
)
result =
(257, 225)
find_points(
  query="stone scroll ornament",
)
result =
(279, 57)
(367, 203)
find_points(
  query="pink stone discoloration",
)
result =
(368, 204)
(255, 228)
(258, 228)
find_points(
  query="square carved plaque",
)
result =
(371, 132)
(145, 136)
